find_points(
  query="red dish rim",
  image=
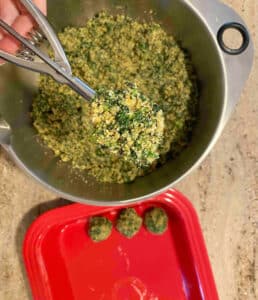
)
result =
(34, 236)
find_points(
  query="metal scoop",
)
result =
(59, 68)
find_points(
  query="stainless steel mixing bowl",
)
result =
(199, 25)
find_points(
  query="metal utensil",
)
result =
(59, 68)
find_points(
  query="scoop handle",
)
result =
(81, 88)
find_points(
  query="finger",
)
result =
(26, 24)
(41, 4)
(8, 44)
(22, 25)
(8, 11)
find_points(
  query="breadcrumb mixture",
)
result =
(127, 130)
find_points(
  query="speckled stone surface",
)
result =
(224, 191)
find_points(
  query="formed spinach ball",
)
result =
(99, 228)
(156, 220)
(125, 131)
(128, 222)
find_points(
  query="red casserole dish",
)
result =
(64, 264)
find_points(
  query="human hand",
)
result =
(13, 13)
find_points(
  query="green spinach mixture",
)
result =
(128, 222)
(100, 228)
(127, 130)
(156, 220)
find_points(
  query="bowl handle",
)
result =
(5, 132)
(237, 62)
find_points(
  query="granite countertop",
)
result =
(224, 191)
